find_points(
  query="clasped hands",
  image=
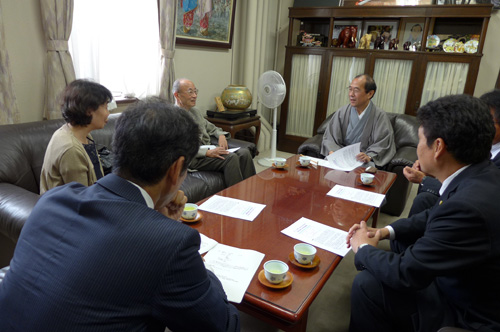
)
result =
(219, 151)
(361, 233)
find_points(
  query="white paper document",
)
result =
(234, 267)
(232, 207)
(343, 159)
(357, 195)
(206, 244)
(211, 147)
(319, 235)
(233, 150)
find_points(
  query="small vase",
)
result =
(236, 97)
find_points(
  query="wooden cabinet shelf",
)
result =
(317, 76)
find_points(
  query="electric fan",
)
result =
(271, 93)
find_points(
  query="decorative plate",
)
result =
(459, 47)
(432, 41)
(471, 46)
(449, 45)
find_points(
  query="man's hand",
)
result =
(218, 152)
(173, 210)
(223, 142)
(363, 157)
(414, 174)
(360, 233)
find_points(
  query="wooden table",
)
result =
(289, 195)
(234, 126)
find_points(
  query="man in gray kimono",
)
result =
(235, 166)
(361, 121)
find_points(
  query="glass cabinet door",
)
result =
(344, 69)
(444, 78)
(303, 94)
(392, 77)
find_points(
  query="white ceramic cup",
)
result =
(367, 178)
(304, 160)
(304, 253)
(190, 211)
(280, 162)
(275, 271)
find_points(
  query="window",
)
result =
(116, 43)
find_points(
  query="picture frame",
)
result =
(339, 25)
(205, 23)
(412, 30)
(377, 28)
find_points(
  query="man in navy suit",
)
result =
(444, 264)
(428, 190)
(113, 256)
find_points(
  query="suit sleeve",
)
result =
(454, 238)
(191, 298)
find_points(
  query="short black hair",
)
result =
(492, 99)
(369, 83)
(79, 97)
(463, 122)
(149, 137)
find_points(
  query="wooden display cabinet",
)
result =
(317, 77)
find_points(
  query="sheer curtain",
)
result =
(344, 69)
(393, 79)
(443, 78)
(116, 43)
(303, 94)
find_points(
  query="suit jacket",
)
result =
(452, 255)
(66, 161)
(98, 259)
(377, 138)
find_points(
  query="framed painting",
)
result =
(411, 31)
(340, 25)
(207, 23)
(386, 30)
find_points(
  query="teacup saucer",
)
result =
(359, 183)
(313, 264)
(285, 283)
(305, 167)
(277, 167)
(198, 218)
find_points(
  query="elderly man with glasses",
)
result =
(361, 121)
(235, 166)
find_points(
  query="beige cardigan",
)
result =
(66, 161)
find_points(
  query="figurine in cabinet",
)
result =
(393, 44)
(378, 44)
(347, 37)
(364, 42)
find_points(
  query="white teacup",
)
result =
(275, 271)
(280, 162)
(304, 160)
(304, 253)
(190, 211)
(367, 178)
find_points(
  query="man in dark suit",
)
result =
(113, 256)
(428, 190)
(444, 264)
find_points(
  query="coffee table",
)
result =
(289, 194)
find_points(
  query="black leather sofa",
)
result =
(23, 148)
(406, 139)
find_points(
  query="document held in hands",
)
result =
(343, 159)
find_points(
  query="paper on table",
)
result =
(234, 267)
(357, 195)
(206, 244)
(343, 159)
(319, 235)
(232, 207)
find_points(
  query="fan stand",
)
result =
(268, 162)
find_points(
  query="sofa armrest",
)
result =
(16, 205)
(311, 147)
(405, 156)
(236, 143)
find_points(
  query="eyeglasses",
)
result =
(192, 92)
(355, 90)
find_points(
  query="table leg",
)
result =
(375, 217)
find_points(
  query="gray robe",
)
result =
(377, 139)
(207, 129)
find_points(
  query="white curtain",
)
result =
(303, 94)
(443, 78)
(344, 69)
(116, 43)
(168, 9)
(393, 79)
